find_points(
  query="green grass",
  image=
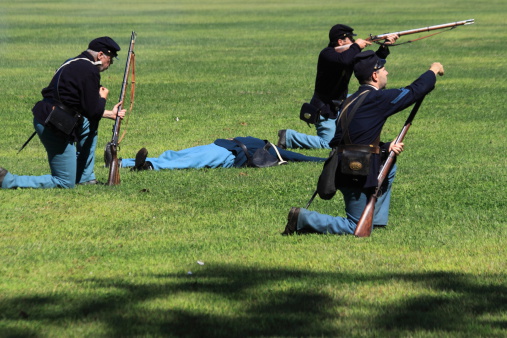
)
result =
(122, 261)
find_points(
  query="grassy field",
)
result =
(198, 253)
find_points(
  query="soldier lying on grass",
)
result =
(222, 153)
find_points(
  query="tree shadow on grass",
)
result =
(265, 302)
(456, 303)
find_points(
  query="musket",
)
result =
(376, 38)
(365, 224)
(112, 146)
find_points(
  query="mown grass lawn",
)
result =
(198, 252)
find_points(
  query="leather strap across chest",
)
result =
(345, 119)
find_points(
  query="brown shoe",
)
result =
(292, 221)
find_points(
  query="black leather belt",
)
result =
(360, 147)
(61, 105)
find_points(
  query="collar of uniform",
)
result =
(87, 55)
(368, 85)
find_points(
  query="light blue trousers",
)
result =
(206, 156)
(325, 132)
(355, 202)
(69, 163)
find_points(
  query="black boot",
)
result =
(281, 139)
(141, 163)
(3, 172)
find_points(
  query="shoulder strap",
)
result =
(76, 59)
(282, 161)
(60, 70)
(345, 121)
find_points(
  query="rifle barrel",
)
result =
(117, 122)
(127, 66)
(112, 147)
(423, 29)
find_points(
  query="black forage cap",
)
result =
(105, 44)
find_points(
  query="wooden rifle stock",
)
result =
(375, 38)
(365, 224)
(112, 146)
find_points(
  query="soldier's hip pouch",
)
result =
(356, 158)
(62, 121)
(309, 113)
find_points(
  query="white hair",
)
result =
(93, 53)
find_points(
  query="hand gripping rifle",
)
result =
(112, 146)
(365, 224)
(376, 38)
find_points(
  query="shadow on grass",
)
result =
(265, 302)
